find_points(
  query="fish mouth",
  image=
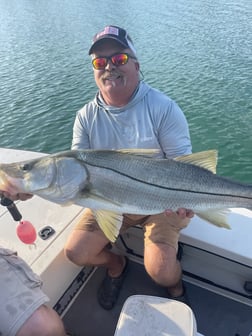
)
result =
(10, 185)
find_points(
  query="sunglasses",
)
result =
(100, 63)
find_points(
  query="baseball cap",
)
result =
(115, 33)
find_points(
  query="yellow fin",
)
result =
(216, 217)
(206, 159)
(110, 223)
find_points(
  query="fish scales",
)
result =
(166, 173)
(123, 190)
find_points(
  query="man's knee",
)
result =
(84, 247)
(75, 256)
(76, 248)
(82, 253)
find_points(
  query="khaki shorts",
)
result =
(20, 292)
(157, 228)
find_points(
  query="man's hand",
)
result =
(181, 212)
(21, 196)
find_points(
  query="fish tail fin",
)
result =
(216, 217)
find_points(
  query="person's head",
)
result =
(116, 68)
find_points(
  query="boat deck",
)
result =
(215, 314)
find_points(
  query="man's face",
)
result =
(119, 80)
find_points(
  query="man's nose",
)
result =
(110, 65)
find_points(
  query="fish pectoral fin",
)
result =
(110, 223)
(206, 159)
(216, 217)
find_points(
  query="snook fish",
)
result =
(128, 181)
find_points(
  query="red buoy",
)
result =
(26, 232)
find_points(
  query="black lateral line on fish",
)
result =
(167, 188)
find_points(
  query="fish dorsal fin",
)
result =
(110, 223)
(206, 159)
(139, 151)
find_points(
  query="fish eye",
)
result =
(25, 167)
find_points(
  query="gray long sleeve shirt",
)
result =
(150, 120)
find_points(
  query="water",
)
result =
(199, 52)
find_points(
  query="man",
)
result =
(23, 311)
(127, 113)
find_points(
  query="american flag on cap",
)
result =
(116, 33)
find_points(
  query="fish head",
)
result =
(53, 177)
(26, 176)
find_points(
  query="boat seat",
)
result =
(151, 315)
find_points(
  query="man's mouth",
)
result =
(111, 78)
